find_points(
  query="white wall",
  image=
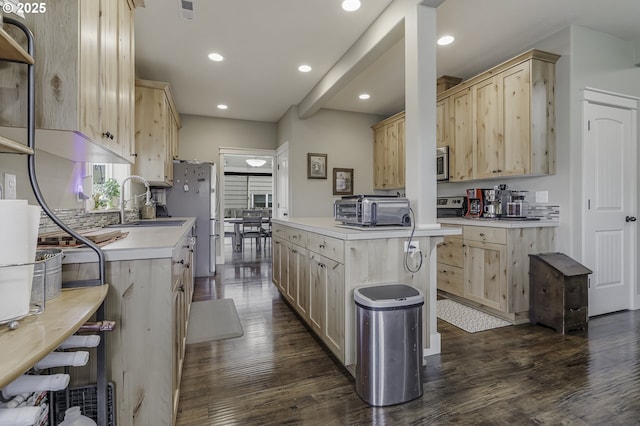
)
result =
(201, 137)
(57, 178)
(346, 138)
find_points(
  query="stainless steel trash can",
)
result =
(389, 343)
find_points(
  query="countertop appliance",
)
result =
(372, 210)
(194, 193)
(442, 164)
(475, 202)
(450, 206)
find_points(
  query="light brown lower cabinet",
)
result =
(313, 284)
(150, 300)
(488, 267)
(316, 272)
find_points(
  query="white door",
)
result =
(609, 238)
(282, 179)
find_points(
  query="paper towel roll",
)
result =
(18, 241)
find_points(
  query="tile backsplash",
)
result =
(79, 219)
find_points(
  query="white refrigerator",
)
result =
(194, 193)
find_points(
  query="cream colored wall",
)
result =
(345, 137)
(201, 137)
(57, 178)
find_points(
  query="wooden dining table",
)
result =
(236, 239)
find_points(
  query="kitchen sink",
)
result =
(147, 223)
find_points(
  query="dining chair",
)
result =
(252, 229)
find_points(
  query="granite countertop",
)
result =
(147, 242)
(498, 223)
(329, 227)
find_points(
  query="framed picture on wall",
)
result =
(342, 181)
(316, 166)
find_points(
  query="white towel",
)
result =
(22, 416)
(25, 383)
(63, 359)
(75, 341)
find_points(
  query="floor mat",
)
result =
(466, 318)
(213, 320)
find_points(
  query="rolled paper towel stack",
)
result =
(18, 242)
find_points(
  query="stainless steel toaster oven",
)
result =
(372, 210)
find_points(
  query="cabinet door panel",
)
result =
(276, 253)
(517, 123)
(302, 283)
(317, 283)
(379, 137)
(334, 331)
(442, 123)
(462, 141)
(489, 141)
(485, 274)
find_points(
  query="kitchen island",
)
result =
(317, 263)
(487, 265)
(151, 286)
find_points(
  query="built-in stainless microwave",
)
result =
(442, 163)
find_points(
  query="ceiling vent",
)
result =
(186, 9)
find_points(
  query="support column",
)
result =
(420, 144)
(420, 111)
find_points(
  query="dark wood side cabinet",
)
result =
(559, 292)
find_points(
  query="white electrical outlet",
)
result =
(542, 196)
(415, 245)
(10, 187)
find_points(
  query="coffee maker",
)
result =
(475, 202)
(491, 203)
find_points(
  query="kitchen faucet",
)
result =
(140, 179)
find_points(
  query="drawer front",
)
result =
(297, 236)
(450, 252)
(330, 247)
(450, 279)
(278, 232)
(485, 234)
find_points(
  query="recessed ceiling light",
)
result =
(222, 106)
(364, 96)
(304, 68)
(216, 57)
(351, 5)
(445, 40)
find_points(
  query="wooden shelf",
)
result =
(12, 147)
(10, 50)
(38, 335)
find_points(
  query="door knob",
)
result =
(630, 219)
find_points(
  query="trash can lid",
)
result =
(388, 296)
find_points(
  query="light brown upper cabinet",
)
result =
(388, 153)
(502, 122)
(156, 128)
(83, 78)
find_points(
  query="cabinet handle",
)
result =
(135, 154)
(482, 234)
(322, 246)
(181, 288)
(181, 261)
(322, 265)
(108, 135)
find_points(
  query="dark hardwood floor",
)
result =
(277, 373)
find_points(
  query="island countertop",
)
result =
(148, 242)
(329, 227)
